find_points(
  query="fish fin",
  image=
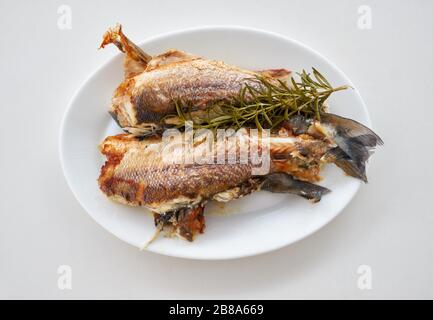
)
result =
(136, 60)
(356, 143)
(349, 166)
(351, 129)
(170, 56)
(144, 130)
(238, 192)
(284, 183)
(281, 74)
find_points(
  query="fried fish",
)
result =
(153, 84)
(145, 172)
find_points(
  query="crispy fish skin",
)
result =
(135, 174)
(152, 85)
(198, 82)
(136, 171)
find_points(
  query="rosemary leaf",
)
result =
(265, 105)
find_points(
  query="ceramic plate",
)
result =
(255, 224)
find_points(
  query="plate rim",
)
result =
(192, 30)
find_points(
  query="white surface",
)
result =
(388, 226)
(258, 223)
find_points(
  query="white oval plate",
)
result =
(255, 224)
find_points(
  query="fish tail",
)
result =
(355, 144)
(136, 59)
(352, 168)
(284, 183)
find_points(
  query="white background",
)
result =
(388, 225)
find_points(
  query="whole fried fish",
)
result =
(152, 85)
(137, 172)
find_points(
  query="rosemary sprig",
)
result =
(265, 105)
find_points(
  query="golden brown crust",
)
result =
(141, 178)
